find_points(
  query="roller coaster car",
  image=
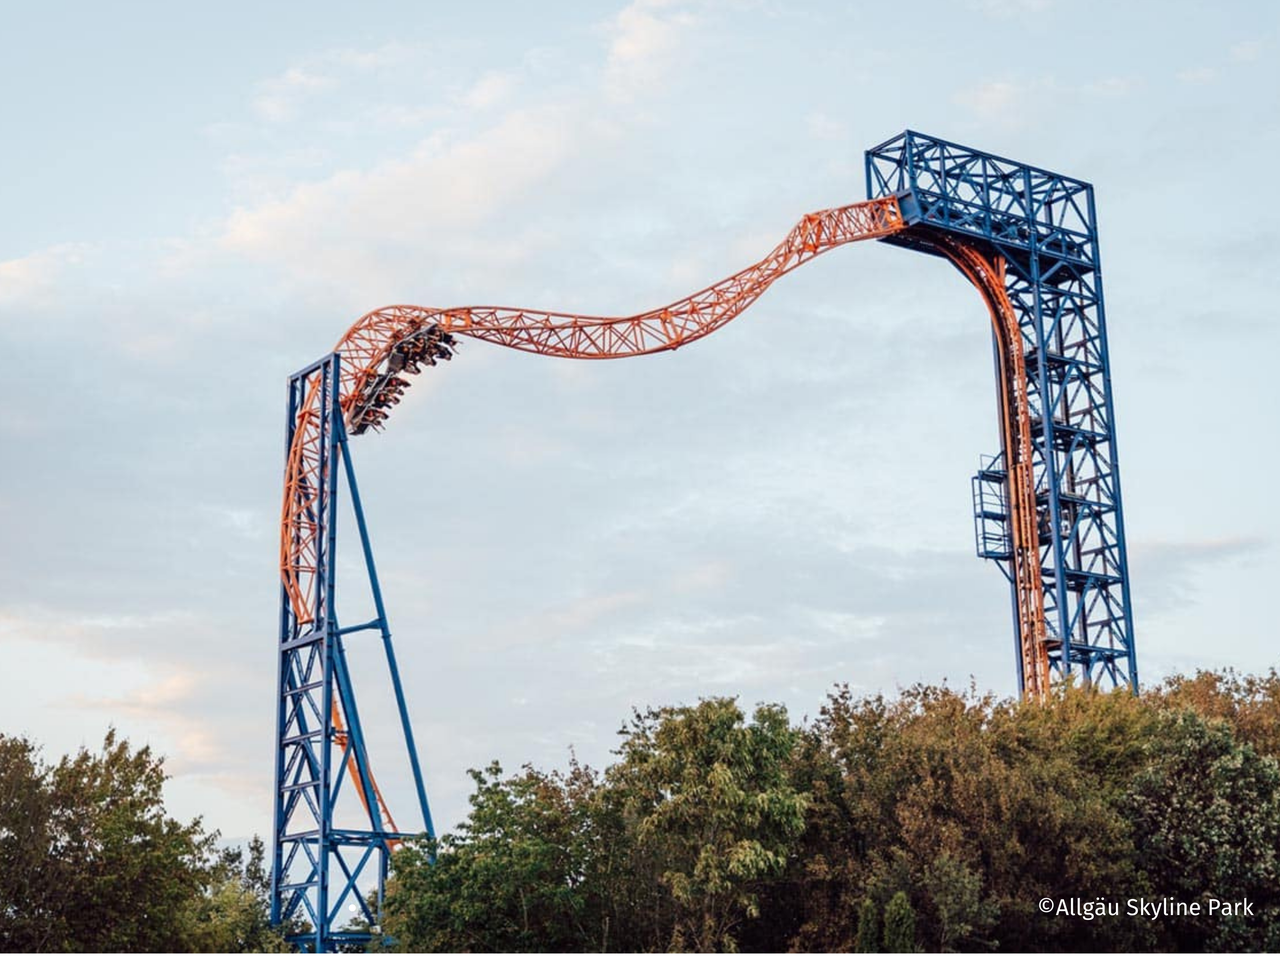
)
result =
(426, 346)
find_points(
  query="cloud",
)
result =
(166, 679)
(489, 90)
(823, 127)
(1113, 86)
(1199, 76)
(396, 53)
(107, 635)
(644, 40)
(575, 616)
(173, 704)
(1246, 51)
(1002, 9)
(280, 97)
(992, 100)
(1168, 573)
(371, 227)
(353, 222)
(1006, 102)
(33, 280)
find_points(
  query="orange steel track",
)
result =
(367, 346)
(1016, 434)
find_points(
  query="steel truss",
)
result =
(323, 873)
(1042, 227)
(1047, 508)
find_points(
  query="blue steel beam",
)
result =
(1044, 226)
(381, 623)
(320, 865)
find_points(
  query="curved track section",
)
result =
(386, 345)
(382, 345)
(1017, 435)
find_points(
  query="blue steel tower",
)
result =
(331, 853)
(1043, 226)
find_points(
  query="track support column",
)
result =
(332, 845)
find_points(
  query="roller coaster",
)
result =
(1047, 507)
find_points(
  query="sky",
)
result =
(199, 200)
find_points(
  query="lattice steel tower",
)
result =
(1043, 226)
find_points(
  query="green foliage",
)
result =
(1249, 704)
(92, 862)
(102, 867)
(668, 849)
(936, 820)
(899, 925)
(510, 879)
(234, 914)
(1206, 816)
(955, 890)
(868, 927)
(706, 797)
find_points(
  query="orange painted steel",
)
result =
(340, 739)
(367, 347)
(988, 275)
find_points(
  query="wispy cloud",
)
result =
(280, 98)
(1002, 9)
(1246, 51)
(490, 90)
(993, 99)
(823, 127)
(167, 704)
(1007, 101)
(33, 279)
(377, 223)
(1113, 86)
(393, 54)
(1198, 76)
(645, 38)
(357, 219)
(1170, 572)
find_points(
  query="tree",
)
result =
(955, 893)
(938, 819)
(92, 860)
(234, 914)
(1250, 704)
(511, 878)
(28, 912)
(706, 801)
(1206, 814)
(899, 925)
(975, 808)
(869, 939)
